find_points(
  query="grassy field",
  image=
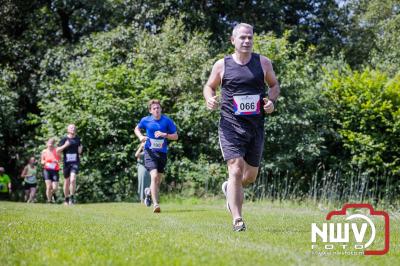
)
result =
(189, 232)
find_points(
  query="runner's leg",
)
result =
(235, 188)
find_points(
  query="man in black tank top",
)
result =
(243, 77)
(71, 147)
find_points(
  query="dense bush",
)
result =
(326, 131)
(105, 93)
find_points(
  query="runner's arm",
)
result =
(139, 134)
(24, 171)
(139, 150)
(173, 136)
(170, 136)
(62, 147)
(270, 79)
(42, 159)
(214, 81)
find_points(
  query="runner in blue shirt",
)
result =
(159, 129)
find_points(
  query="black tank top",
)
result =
(238, 82)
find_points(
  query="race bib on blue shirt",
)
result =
(156, 144)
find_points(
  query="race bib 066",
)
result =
(71, 157)
(156, 143)
(246, 104)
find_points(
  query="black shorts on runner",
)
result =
(51, 175)
(70, 168)
(155, 160)
(240, 141)
(28, 186)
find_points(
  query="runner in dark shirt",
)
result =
(242, 77)
(71, 148)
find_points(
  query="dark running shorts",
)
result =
(70, 168)
(155, 160)
(238, 141)
(51, 175)
(28, 186)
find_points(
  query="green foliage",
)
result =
(96, 64)
(365, 107)
(294, 140)
(105, 93)
(8, 109)
(200, 177)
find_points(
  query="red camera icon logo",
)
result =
(335, 232)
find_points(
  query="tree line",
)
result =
(335, 134)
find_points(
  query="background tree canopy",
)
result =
(334, 136)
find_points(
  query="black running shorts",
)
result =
(155, 160)
(28, 186)
(241, 141)
(70, 168)
(51, 175)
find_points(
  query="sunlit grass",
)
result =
(192, 232)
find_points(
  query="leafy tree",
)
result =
(8, 118)
(365, 107)
(105, 92)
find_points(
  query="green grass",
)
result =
(191, 232)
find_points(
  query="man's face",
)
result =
(155, 110)
(71, 129)
(1, 170)
(243, 40)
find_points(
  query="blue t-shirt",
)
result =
(164, 124)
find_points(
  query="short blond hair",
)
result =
(52, 140)
(153, 101)
(241, 25)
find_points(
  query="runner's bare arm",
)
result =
(273, 85)
(24, 172)
(80, 149)
(139, 150)
(63, 147)
(42, 159)
(140, 135)
(270, 79)
(214, 81)
(173, 136)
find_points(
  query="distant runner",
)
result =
(50, 161)
(143, 176)
(29, 174)
(159, 129)
(71, 148)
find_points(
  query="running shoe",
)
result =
(54, 198)
(224, 190)
(157, 209)
(239, 225)
(72, 200)
(147, 199)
